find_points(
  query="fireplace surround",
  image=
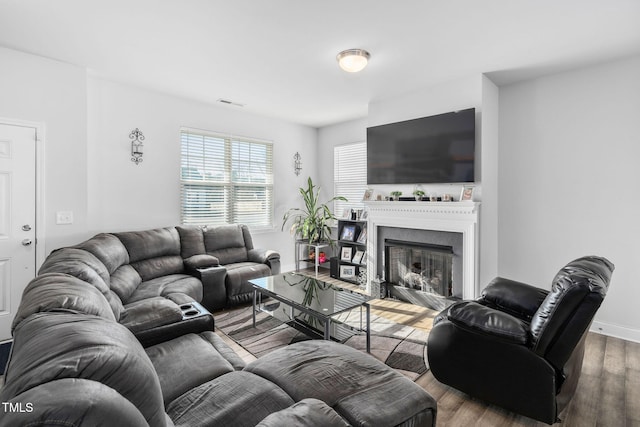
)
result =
(453, 217)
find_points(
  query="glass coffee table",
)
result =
(318, 304)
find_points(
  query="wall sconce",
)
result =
(136, 145)
(297, 163)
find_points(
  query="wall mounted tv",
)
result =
(434, 149)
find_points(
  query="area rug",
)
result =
(400, 347)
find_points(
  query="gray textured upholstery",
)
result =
(78, 366)
(354, 384)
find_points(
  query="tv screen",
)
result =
(434, 149)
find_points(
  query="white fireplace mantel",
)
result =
(455, 217)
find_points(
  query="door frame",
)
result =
(40, 189)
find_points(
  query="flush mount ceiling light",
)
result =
(353, 60)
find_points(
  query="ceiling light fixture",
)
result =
(353, 60)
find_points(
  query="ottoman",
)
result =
(358, 387)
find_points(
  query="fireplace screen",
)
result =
(425, 268)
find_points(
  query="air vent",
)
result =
(226, 101)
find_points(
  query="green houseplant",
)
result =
(419, 194)
(395, 195)
(313, 222)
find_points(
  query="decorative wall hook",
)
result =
(297, 163)
(137, 147)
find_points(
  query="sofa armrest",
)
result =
(516, 298)
(312, 411)
(479, 318)
(195, 262)
(266, 256)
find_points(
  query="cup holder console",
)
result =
(192, 309)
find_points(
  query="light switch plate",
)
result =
(64, 217)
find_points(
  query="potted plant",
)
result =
(313, 222)
(419, 194)
(395, 195)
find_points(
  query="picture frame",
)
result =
(467, 193)
(348, 232)
(346, 214)
(362, 237)
(347, 271)
(368, 195)
(365, 215)
(358, 257)
(345, 253)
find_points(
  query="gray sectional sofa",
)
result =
(155, 280)
(77, 357)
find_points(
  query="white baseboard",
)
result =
(616, 331)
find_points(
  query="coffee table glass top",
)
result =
(321, 297)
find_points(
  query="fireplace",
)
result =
(419, 267)
(449, 228)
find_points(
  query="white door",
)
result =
(17, 218)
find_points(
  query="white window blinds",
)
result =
(226, 180)
(349, 175)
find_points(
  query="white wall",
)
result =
(126, 196)
(40, 90)
(569, 171)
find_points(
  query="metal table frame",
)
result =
(326, 319)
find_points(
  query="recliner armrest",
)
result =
(480, 318)
(196, 262)
(516, 298)
(262, 256)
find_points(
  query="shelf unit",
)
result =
(350, 241)
(306, 246)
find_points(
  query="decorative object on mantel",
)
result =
(446, 197)
(395, 195)
(136, 137)
(297, 163)
(313, 223)
(368, 195)
(467, 193)
(419, 194)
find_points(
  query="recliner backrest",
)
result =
(153, 253)
(228, 243)
(566, 313)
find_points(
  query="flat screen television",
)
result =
(434, 149)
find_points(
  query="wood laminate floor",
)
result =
(608, 393)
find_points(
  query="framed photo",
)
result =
(362, 237)
(347, 271)
(358, 257)
(368, 195)
(348, 232)
(365, 215)
(466, 193)
(345, 254)
(346, 214)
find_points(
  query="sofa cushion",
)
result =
(310, 412)
(124, 281)
(174, 363)
(191, 241)
(150, 313)
(108, 249)
(58, 292)
(227, 243)
(236, 399)
(147, 244)
(72, 402)
(160, 266)
(52, 346)
(166, 285)
(346, 379)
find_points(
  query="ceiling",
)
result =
(277, 57)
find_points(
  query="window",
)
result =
(225, 180)
(349, 175)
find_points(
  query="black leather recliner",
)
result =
(518, 346)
